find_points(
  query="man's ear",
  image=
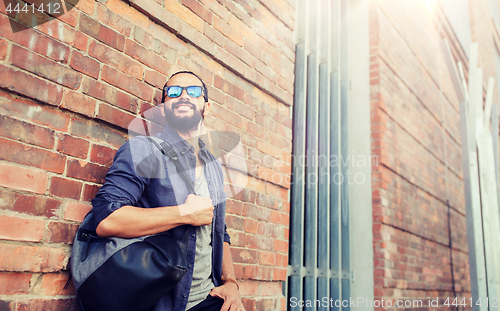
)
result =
(162, 109)
(206, 109)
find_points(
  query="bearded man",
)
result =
(132, 203)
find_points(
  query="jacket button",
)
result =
(190, 265)
(193, 235)
(184, 295)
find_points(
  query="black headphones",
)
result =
(205, 93)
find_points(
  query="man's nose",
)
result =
(184, 94)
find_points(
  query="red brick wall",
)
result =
(416, 134)
(70, 87)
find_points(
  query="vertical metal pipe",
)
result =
(335, 253)
(324, 155)
(344, 151)
(310, 258)
(298, 165)
(323, 171)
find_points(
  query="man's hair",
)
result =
(205, 90)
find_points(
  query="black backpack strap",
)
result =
(167, 150)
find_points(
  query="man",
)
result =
(135, 202)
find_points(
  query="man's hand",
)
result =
(229, 292)
(197, 210)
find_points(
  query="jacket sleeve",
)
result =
(126, 179)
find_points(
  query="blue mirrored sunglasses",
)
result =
(174, 91)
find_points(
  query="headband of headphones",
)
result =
(205, 93)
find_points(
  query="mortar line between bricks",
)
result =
(413, 51)
(432, 153)
(419, 100)
(421, 237)
(417, 186)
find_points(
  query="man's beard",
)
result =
(184, 124)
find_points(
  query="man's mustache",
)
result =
(179, 103)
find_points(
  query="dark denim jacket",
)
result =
(141, 176)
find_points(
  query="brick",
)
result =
(66, 304)
(143, 37)
(73, 146)
(89, 192)
(197, 37)
(79, 103)
(36, 205)
(84, 64)
(146, 57)
(244, 255)
(226, 115)
(71, 17)
(102, 155)
(168, 52)
(14, 284)
(52, 27)
(240, 26)
(266, 304)
(30, 111)
(32, 156)
(240, 108)
(30, 86)
(21, 178)
(86, 171)
(233, 222)
(44, 67)
(271, 289)
(4, 45)
(184, 14)
(114, 21)
(114, 116)
(228, 31)
(268, 229)
(58, 232)
(259, 242)
(26, 132)
(158, 14)
(250, 226)
(190, 65)
(261, 273)
(280, 274)
(113, 58)
(249, 288)
(65, 188)
(53, 284)
(214, 35)
(110, 95)
(254, 50)
(280, 218)
(126, 83)
(102, 33)
(217, 7)
(81, 41)
(21, 229)
(199, 10)
(239, 52)
(155, 79)
(97, 132)
(85, 6)
(76, 211)
(33, 40)
(281, 246)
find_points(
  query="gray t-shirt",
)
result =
(202, 282)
